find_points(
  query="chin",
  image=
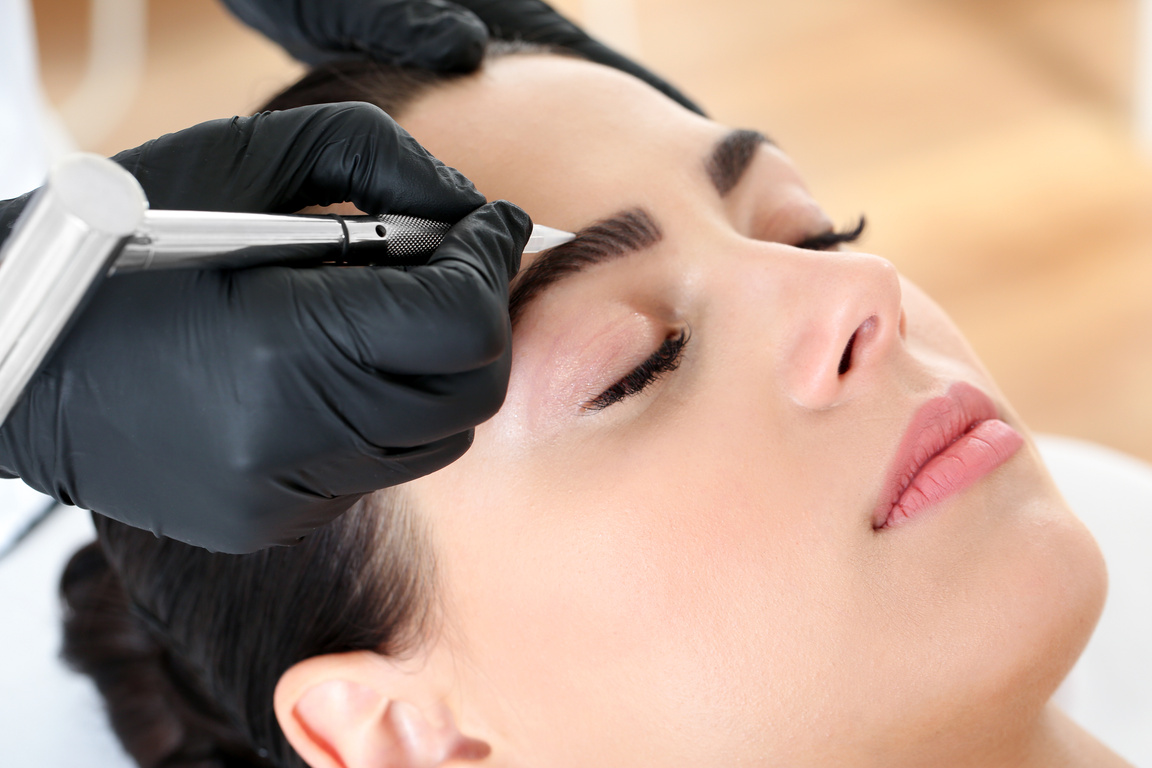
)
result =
(1016, 584)
(1073, 589)
(1048, 595)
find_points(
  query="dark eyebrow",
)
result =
(731, 157)
(619, 235)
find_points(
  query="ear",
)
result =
(362, 710)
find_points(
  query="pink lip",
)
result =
(952, 442)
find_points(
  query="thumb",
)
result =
(377, 165)
(428, 34)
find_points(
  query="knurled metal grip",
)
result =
(60, 248)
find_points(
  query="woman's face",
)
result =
(692, 574)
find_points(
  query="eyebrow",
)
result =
(731, 157)
(628, 231)
(618, 235)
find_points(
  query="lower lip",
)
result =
(975, 454)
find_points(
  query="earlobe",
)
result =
(359, 710)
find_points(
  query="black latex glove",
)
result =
(430, 34)
(240, 409)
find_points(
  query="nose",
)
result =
(842, 317)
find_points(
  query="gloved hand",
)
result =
(429, 34)
(239, 409)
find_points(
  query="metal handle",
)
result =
(60, 247)
(215, 240)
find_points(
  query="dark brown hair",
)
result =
(388, 87)
(186, 646)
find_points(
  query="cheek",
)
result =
(679, 578)
(933, 336)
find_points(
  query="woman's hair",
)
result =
(187, 646)
(390, 88)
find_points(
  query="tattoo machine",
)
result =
(91, 219)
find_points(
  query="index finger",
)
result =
(449, 316)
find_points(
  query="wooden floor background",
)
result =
(988, 141)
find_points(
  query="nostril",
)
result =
(846, 358)
(859, 336)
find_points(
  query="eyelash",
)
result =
(826, 241)
(664, 360)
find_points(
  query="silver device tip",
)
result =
(544, 238)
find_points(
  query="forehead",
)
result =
(569, 141)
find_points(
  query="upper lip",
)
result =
(936, 425)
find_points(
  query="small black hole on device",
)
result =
(380, 230)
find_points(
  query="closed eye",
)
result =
(827, 241)
(664, 360)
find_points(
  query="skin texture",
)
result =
(691, 576)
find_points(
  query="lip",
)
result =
(952, 442)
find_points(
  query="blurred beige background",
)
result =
(988, 141)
